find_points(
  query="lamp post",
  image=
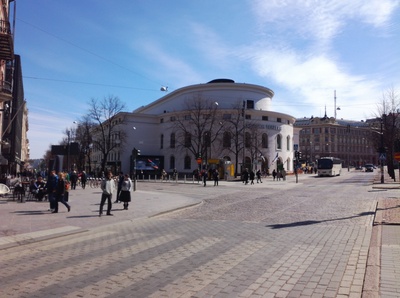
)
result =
(382, 151)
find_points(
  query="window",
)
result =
(264, 118)
(172, 162)
(278, 119)
(162, 141)
(188, 117)
(288, 143)
(227, 116)
(226, 142)
(162, 120)
(248, 117)
(264, 140)
(188, 139)
(172, 141)
(187, 163)
(250, 104)
(247, 140)
(279, 142)
(172, 119)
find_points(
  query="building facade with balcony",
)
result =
(326, 136)
(206, 126)
(14, 145)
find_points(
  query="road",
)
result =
(276, 239)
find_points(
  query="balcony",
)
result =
(5, 91)
(6, 41)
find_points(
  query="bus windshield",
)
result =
(325, 164)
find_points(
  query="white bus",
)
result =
(329, 166)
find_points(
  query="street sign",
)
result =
(397, 156)
(295, 147)
(382, 156)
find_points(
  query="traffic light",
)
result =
(135, 152)
(298, 155)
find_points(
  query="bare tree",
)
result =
(106, 133)
(83, 136)
(199, 126)
(388, 118)
(235, 131)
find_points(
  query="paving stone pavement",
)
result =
(133, 254)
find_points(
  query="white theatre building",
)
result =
(218, 125)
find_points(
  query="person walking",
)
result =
(83, 179)
(252, 175)
(120, 181)
(274, 174)
(216, 177)
(108, 187)
(246, 176)
(205, 176)
(258, 175)
(60, 193)
(51, 186)
(73, 178)
(126, 188)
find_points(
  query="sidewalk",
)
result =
(383, 269)
(22, 223)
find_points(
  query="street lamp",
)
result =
(382, 150)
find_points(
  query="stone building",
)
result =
(205, 126)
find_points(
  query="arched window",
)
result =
(172, 162)
(264, 140)
(188, 139)
(172, 141)
(162, 141)
(187, 162)
(279, 142)
(226, 142)
(288, 143)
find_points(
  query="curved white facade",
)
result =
(151, 127)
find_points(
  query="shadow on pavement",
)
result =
(312, 222)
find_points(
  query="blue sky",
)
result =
(73, 51)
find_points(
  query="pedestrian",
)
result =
(246, 176)
(73, 178)
(258, 175)
(126, 188)
(108, 187)
(164, 174)
(51, 187)
(60, 193)
(252, 175)
(216, 177)
(205, 176)
(274, 174)
(120, 180)
(83, 179)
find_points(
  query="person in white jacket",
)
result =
(126, 189)
(108, 188)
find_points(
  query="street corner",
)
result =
(388, 212)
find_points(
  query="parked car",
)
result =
(369, 168)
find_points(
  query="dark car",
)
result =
(369, 168)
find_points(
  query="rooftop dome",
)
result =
(221, 81)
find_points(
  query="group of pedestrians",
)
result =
(213, 173)
(124, 189)
(57, 191)
(249, 176)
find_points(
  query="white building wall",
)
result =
(144, 126)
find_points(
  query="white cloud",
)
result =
(321, 19)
